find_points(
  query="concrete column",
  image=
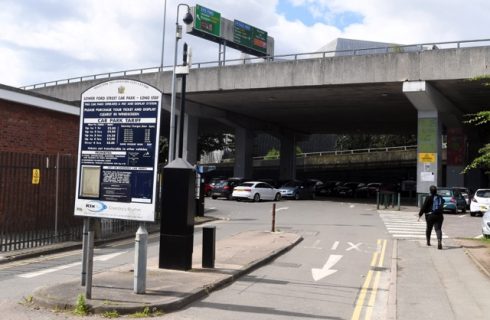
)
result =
(429, 126)
(456, 156)
(190, 139)
(287, 164)
(243, 153)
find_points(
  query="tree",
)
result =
(481, 118)
(364, 141)
(215, 141)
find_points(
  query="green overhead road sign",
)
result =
(249, 36)
(208, 21)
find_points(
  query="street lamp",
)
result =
(163, 33)
(188, 19)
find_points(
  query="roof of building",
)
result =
(37, 100)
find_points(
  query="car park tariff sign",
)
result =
(118, 151)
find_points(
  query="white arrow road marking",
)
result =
(282, 208)
(319, 274)
(354, 246)
(105, 257)
(335, 245)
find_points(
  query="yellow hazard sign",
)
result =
(427, 157)
(36, 176)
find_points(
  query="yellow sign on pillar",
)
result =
(36, 176)
(427, 157)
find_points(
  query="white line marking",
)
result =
(354, 246)
(66, 266)
(479, 237)
(335, 245)
(352, 206)
(319, 274)
(212, 208)
(462, 215)
(315, 245)
(282, 208)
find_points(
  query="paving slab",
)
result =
(169, 290)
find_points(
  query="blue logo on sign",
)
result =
(96, 206)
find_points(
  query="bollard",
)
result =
(399, 200)
(208, 246)
(140, 256)
(273, 217)
(377, 200)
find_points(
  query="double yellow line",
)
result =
(376, 261)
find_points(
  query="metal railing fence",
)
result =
(277, 58)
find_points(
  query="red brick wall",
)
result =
(28, 129)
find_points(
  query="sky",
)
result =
(47, 40)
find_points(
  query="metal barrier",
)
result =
(279, 58)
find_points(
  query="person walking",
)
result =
(433, 207)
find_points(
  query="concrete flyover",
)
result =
(374, 93)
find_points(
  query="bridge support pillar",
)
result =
(190, 139)
(287, 164)
(425, 100)
(243, 153)
(456, 156)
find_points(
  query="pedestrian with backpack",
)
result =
(433, 207)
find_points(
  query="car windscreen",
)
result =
(483, 193)
(291, 184)
(444, 192)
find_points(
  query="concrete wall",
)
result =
(444, 64)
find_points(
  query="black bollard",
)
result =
(208, 246)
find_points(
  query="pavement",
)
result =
(169, 290)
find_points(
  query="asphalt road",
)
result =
(341, 269)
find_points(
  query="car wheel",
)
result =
(472, 214)
(229, 197)
(296, 196)
(486, 236)
(214, 197)
(208, 194)
(464, 210)
(256, 197)
(278, 197)
(455, 211)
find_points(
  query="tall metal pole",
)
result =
(182, 107)
(163, 35)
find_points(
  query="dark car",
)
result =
(453, 198)
(296, 189)
(327, 189)
(368, 191)
(348, 189)
(224, 188)
(316, 184)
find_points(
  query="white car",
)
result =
(485, 224)
(480, 202)
(256, 191)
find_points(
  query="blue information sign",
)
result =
(118, 151)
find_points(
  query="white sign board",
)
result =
(118, 151)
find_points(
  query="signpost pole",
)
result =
(86, 222)
(140, 257)
(90, 262)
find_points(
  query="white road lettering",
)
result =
(315, 245)
(105, 257)
(335, 245)
(319, 274)
(354, 246)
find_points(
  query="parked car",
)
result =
(224, 188)
(480, 202)
(465, 192)
(485, 224)
(208, 189)
(316, 184)
(369, 190)
(453, 198)
(349, 189)
(296, 189)
(327, 189)
(256, 191)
